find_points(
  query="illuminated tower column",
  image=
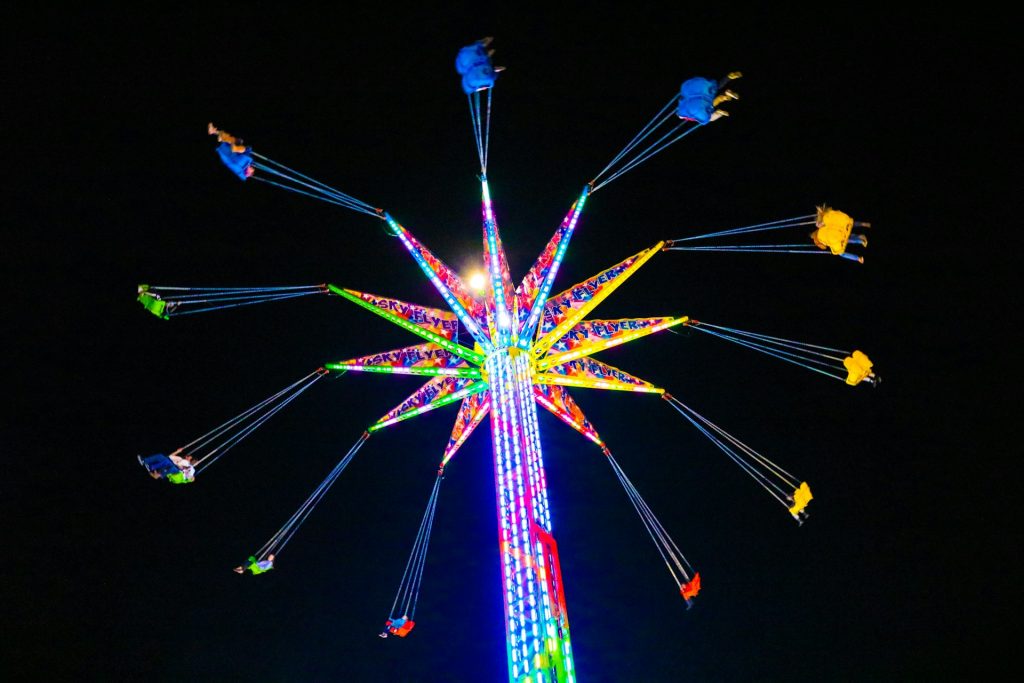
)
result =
(536, 625)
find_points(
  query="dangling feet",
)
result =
(724, 96)
(731, 76)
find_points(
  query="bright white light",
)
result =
(477, 282)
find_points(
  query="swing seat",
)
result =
(833, 230)
(160, 464)
(858, 368)
(801, 497)
(690, 589)
(178, 477)
(153, 303)
(474, 65)
(696, 109)
(400, 627)
(698, 87)
(696, 100)
(471, 56)
(238, 162)
(480, 77)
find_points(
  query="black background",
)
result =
(901, 572)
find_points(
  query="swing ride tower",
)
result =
(536, 623)
(528, 347)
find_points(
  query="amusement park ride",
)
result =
(502, 350)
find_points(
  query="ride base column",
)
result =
(536, 623)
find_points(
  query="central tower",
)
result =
(536, 624)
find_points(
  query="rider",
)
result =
(256, 566)
(174, 468)
(699, 97)
(397, 627)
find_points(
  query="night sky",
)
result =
(898, 574)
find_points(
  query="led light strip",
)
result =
(568, 419)
(547, 647)
(473, 373)
(446, 344)
(453, 303)
(503, 320)
(537, 308)
(451, 398)
(478, 417)
(512, 451)
(591, 349)
(507, 509)
(597, 384)
(610, 286)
